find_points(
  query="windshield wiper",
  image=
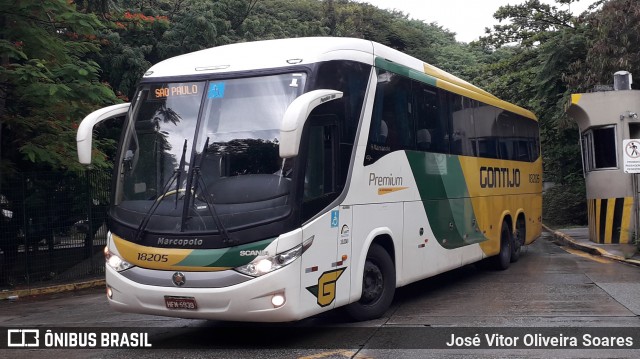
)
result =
(210, 206)
(194, 178)
(174, 177)
(180, 170)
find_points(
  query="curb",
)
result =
(15, 294)
(566, 240)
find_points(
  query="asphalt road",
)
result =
(550, 293)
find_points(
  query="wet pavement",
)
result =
(551, 289)
(578, 238)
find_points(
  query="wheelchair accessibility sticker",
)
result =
(335, 218)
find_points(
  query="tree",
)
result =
(530, 23)
(47, 83)
(129, 47)
(613, 45)
(541, 43)
(140, 33)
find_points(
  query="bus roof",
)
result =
(267, 54)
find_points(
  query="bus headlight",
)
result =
(263, 265)
(115, 261)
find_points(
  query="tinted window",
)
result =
(392, 126)
(411, 115)
(505, 135)
(331, 132)
(351, 78)
(462, 128)
(485, 125)
(431, 119)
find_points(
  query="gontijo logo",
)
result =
(325, 291)
(499, 177)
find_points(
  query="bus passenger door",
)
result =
(323, 269)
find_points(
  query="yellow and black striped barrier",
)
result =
(610, 219)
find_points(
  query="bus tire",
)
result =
(503, 259)
(518, 239)
(378, 286)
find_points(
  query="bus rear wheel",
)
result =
(378, 286)
(503, 259)
(518, 239)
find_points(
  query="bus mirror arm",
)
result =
(295, 117)
(84, 136)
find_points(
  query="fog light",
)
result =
(278, 300)
(109, 292)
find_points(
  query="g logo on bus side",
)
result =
(325, 291)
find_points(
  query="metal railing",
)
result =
(52, 227)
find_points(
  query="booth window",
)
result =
(599, 147)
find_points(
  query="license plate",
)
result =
(186, 303)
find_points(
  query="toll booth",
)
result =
(606, 118)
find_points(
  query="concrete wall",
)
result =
(610, 192)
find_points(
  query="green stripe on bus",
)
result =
(445, 198)
(405, 71)
(225, 257)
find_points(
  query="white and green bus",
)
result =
(275, 180)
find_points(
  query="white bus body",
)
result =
(335, 170)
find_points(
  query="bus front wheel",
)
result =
(378, 286)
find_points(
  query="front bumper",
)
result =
(247, 301)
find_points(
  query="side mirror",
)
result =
(296, 115)
(84, 136)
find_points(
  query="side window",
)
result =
(527, 148)
(486, 132)
(462, 128)
(599, 147)
(506, 130)
(392, 120)
(506, 135)
(322, 175)
(432, 124)
(351, 78)
(533, 138)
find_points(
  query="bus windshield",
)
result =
(164, 165)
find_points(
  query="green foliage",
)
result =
(613, 44)
(129, 46)
(565, 205)
(529, 23)
(140, 33)
(47, 83)
(193, 28)
(59, 62)
(538, 49)
(275, 19)
(61, 59)
(550, 55)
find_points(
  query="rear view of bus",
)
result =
(245, 179)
